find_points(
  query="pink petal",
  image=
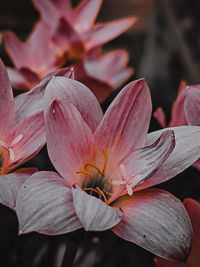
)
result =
(69, 138)
(99, 88)
(22, 78)
(85, 14)
(66, 39)
(178, 114)
(9, 187)
(27, 139)
(192, 105)
(103, 33)
(125, 123)
(47, 10)
(93, 213)
(143, 163)
(53, 10)
(109, 68)
(6, 103)
(157, 221)
(41, 49)
(159, 115)
(30, 102)
(193, 209)
(17, 51)
(185, 153)
(68, 90)
(44, 204)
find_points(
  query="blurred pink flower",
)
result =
(63, 36)
(33, 59)
(193, 209)
(20, 140)
(105, 164)
(185, 110)
(103, 73)
(73, 29)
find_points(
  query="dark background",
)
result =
(164, 48)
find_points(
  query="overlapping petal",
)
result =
(193, 209)
(125, 123)
(45, 204)
(71, 91)
(9, 186)
(26, 139)
(30, 102)
(93, 213)
(157, 221)
(66, 146)
(185, 153)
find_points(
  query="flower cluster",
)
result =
(105, 164)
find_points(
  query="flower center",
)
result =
(95, 183)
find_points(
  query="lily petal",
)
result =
(93, 213)
(30, 102)
(185, 153)
(27, 139)
(66, 146)
(44, 204)
(9, 187)
(22, 78)
(17, 51)
(85, 14)
(193, 209)
(102, 33)
(192, 105)
(157, 221)
(7, 118)
(125, 123)
(143, 163)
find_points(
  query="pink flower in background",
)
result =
(33, 59)
(20, 140)
(105, 165)
(73, 29)
(193, 209)
(185, 110)
(64, 35)
(103, 73)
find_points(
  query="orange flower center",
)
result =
(95, 182)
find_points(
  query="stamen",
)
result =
(91, 189)
(12, 154)
(102, 193)
(85, 172)
(16, 140)
(95, 167)
(105, 161)
(108, 193)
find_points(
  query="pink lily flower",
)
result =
(73, 29)
(193, 209)
(20, 140)
(103, 73)
(33, 59)
(185, 110)
(105, 164)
